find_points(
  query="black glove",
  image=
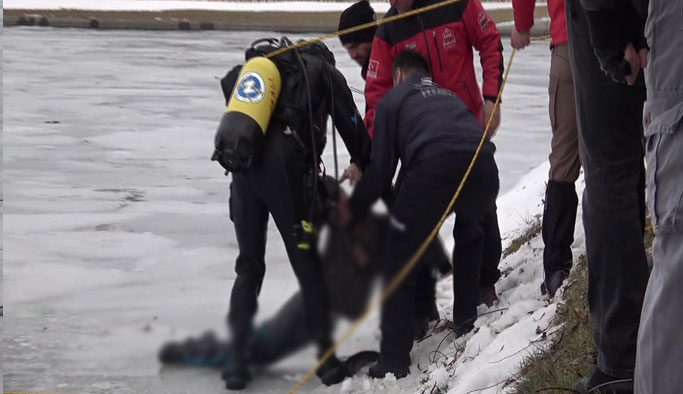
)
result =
(610, 31)
(613, 64)
(332, 371)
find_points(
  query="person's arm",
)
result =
(346, 118)
(485, 38)
(378, 80)
(383, 162)
(523, 11)
(617, 36)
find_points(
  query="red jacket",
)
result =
(445, 36)
(524, 19)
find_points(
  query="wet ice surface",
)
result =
(116, 236)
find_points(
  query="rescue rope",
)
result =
(400, 277)
(354, 29)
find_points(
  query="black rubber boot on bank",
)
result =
(559, 219)
(551, 284)
(600, 383)
(379, 371)
(488, 296)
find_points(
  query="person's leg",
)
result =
(251, 221)
(559, 213)
(472, 208)
(490, 273)
(610, 133)
(282, 180)
(416, 210)
(660, 349)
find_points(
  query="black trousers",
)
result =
(275, 185)
(610, 146)
(424, 194)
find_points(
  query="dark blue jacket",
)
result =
(415, 122)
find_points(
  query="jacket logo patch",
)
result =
(373, 66)
(412, 45)
(484, 21)
(448, 39)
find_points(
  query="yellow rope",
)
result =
(382, 21)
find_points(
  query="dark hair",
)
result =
(409, 62)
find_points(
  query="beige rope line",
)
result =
(361, 27)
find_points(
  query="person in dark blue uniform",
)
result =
(434, 135)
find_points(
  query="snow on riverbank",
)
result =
(168, 5)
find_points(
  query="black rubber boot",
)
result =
(379, 371)
(601, 383)
(236, 376)
(559, 218)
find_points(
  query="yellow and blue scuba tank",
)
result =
(282, 89)
(241, 131)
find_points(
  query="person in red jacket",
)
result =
(445, 36)
(559, 214)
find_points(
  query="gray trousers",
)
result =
(660, 341)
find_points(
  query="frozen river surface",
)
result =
(116, 235)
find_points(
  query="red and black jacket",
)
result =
(524, 19)
(445, 36)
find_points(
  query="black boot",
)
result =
(379, 371)
(488, 296)
(559, 219)
(236, 376)
(602, 383)
(332, 371)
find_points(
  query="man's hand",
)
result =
(623, 66)
(352, 173)
(520, 40)
(486, 114)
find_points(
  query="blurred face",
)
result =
(359, 51)
(401, 5)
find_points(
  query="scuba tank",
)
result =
(241, 131)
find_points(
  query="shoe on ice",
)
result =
(600, 383)
(379, 371)
(236, 376)
(488, 296)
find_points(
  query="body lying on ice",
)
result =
(350, 262)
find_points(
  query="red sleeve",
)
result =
(524, 14)
(378, 80)
(485, 37)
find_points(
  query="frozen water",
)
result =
(116, 229)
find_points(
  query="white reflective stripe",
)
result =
(393, 222)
